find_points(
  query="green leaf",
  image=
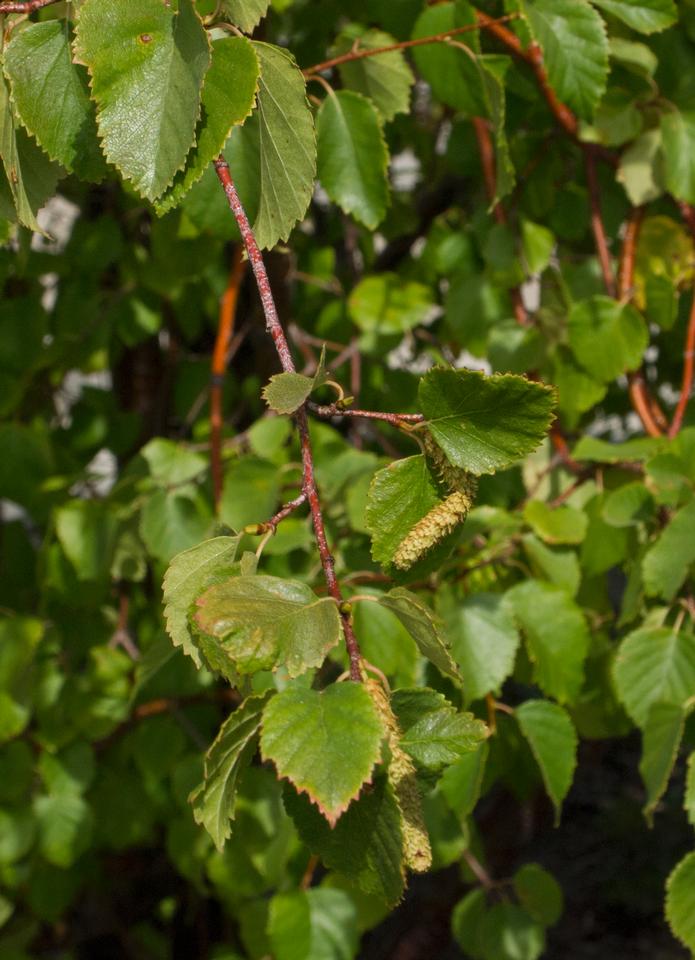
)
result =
(573, 39)
(680, 901)
(467, 923)
(229, 94)
(308, 735)
(539, 893)
(689, 801)
(399, 496)
(315, 924)
(539, 243)
(484, 424)
(30, 177)
(147, 66)
(645, 16)
(628, 506)
(666, 563)
(366, 844)
(231, 751)
(607, 337)
(452, 73)
(251, 492)
(654, 664)
(560, 567)
(561, 524)
(87, 530)
(600, 451)
(40, 58)
(352, 156)
(286, 392)
(386, 306)
(245, 14)
(493, 73)
(635, 56)
(484, 641)
(65, 826)
(385, 79)
(423, 626)
(678, 136)
(661, 737)
(553, 741)
(261, 623)
(170, 463)
(434, 733)
(556, 634)
(640, 170)
(276, 148)
(509, 933)
(171, 522)
(17, 834)
(190, 573)
(462, 782)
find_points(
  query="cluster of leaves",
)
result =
(561, 610)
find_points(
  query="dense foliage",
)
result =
(312, 596)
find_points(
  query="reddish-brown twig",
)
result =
(642, 402)
(597, 225)
(274, 328)
(219, 365)
(487, 160)
(360, 54)
(688, 370)
(28, 6)
(534, 57)
(270, 526)
(688, 214)
(329, 410)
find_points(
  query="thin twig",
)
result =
(487, 160)
(28, 6)
(274, 328)
(329, 410)
(219, 365)
(361, 54)
(597, 225)
(121, 636)
(688, 369)
(270, 526)
(642, 402)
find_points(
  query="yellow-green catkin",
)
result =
(417, 853)
(445, 516)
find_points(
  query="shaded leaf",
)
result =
(233, 748)
(315, 924)
(553, 741)
(665, 565)
(646, 16)
(509, 933)
(561, 524)
(434, 733)
(678, 137)
(661, 738)
(352, 156)
(385, 79)
(190, 573)
(484, 640)
(485, 423)
(261, 622)
(423, 626)
(366, 844)
(308, 734)
(245, 14)
(40, 58)
(654, 664)
(607, 337)
(556, 634)
(680, 901)
(30, 177)
(539, 893)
